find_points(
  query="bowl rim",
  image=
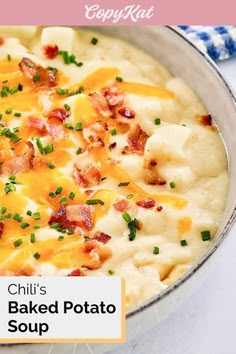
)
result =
(163, 294)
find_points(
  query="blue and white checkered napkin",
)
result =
(218, 41)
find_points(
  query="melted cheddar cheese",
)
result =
(108, 164)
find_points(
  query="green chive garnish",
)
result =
(58, 190)
(157, 121)
(37, 216)
(48, 149)
(72, 195)
(111, 272)
(63, 200)
(36, 78)
(206, 235)
(8, 110)
(62, 91)
(51, 166)
(94, 202)
(32, 238)
(156, 250)
(113, 132)
(79, 151)
(18, 242)
(119, 79)
(79, 126)
(3, 210)
(36, 255)
(60, 238)
(183, 243)
(172, 185)
(126, 217)
(29, 212)
(67, 107)
(123, 184)
(94, 41)
(24, 225)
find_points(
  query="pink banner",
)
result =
(117, 13)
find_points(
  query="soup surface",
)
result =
(109, 165)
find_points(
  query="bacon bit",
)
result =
(81, 214)
(137, 140)
(1, 228)
(50, 51)
(113, 95)
(56, 131)
(101, 237)
(89, 192)
(88, 176)
(58, 113)
(151, 175)
(122, 206)
(140, 225)
(159, 208)
(30, 70)
(147, 204)
(127, 112)
(122, 127)
(38, 124)
(112, 146)
(20, 163)
(153, 163)
(100, 104)
(206, 120)
(76, 273)
(60, 218)
(98, 252)
(2, 40)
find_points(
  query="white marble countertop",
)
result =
(205, 324)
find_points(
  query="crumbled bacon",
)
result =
(126, 112)
(81, 214)
(58, 113)
(101, 237)
(122, 206)
(2, 41)
(137, 140)
(76, 273)
(151, 175)
(206, 120)
(113, 95)
(50, 51)
(98, 252)
(56, 131)
(159, 208)
(21, 163)
(38, 124)
(1, 228)
(89, 192)
(37, 74)
(88, 176)
(112, 146)
(60, 218)
(147, 204)
(100, 104)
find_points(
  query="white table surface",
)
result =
(205, 324)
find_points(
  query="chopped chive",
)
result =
(51, 166)
(66, 57)
(113, 132)
(36, 78)
(72, 195)
(94, 202)
(0, 116)
(111, 272)
(157, 121)
(32, 238)
(3, 210)
(36, 255)
(206, 235)
(37, 216)
(60, 238)
(63, 200)
(2, 217)
(129, 196)
(132, 225)
(183, 243)
(156, 250)
(18, 242)
(69, 126)
(12, 178)
(9, 215)
(123, 184)
(69, 232)
(16, 129)
(94, 41)
(79, 63)
(58, 190)
(103, 178)
(13, 90)
(10, 187)
(62, 91)
(55, 225)
(81, 88)
(119, 79)
(126, 217)
(79, 151)
(48, 149)
(36, 226)
(29, 212)
(54, 70)
(8, 110)
(8, 57)
(172, 185)
(67, 107)
(52, 194)
(40, 145)
(24, 225)
(17, 217)
(79, 126)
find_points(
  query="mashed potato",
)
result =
(108, 164)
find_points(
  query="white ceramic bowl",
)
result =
(183, 59)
